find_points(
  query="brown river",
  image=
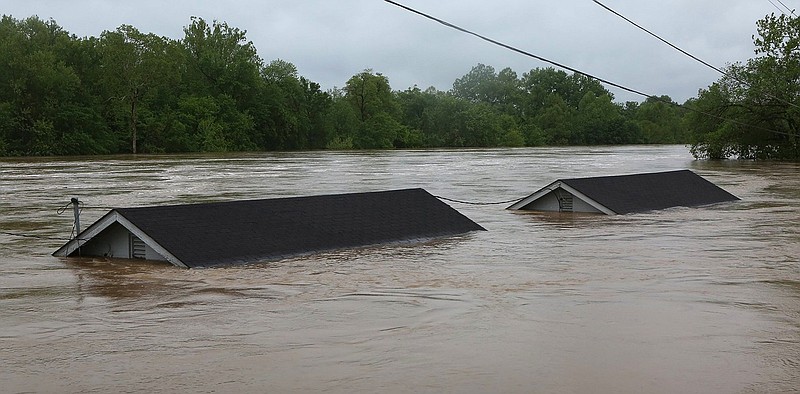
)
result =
(685, 300)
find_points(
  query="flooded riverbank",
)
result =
(682, 300)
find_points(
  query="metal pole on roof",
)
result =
(76, 210)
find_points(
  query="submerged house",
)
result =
(239, 232)
(625, 193)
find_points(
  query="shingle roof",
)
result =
(247, 231)
(645, 192)
(650, 191)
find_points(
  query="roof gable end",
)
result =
(623, 194)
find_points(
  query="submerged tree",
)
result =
(753, 112)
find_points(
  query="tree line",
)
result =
(132, 92)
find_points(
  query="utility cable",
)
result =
(789, 9)
(520, 51)
(21, 235)
(659, 38)
(776, 7)
(25, 235)
(60, 211)
(576, 71)
(479, 203)
(717, 69)
(779, 8)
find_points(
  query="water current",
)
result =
(685, 300)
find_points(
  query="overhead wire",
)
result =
(659, 38)
(723, 72)
(480, 203)
(59, 211)
(13, 234)
(45, 237)
(576, 71)
(791, 11)
(520, 51)
(776, 7)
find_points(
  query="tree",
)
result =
(444, 121)
(370, 94)
(222, 60)
(44, 108)
(599, 121)
(315, 105)
(756, 106)
(660, 121)
(136, 65)
(555, 120)
(294, 107)
(342, 122)
(372, 99)
(540, 84)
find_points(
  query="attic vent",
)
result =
(138, 250)
(565, 202)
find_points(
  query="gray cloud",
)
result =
(329, 41)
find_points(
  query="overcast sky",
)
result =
(331, 40)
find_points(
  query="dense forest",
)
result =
(133, 92)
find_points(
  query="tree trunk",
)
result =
(133, 125)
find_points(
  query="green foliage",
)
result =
(136, 70)
(483, 85)
(660, 121)
(754, 111)
(370, 94)
(132, 92)
(221, 60)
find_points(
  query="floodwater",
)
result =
(686, 300)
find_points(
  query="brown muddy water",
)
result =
(686, 300)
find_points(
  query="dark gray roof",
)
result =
(247, 231)
(650, 191)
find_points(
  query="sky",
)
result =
(329, 41)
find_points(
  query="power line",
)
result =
(479, 203)
(520, 51)
(24, 235)
(576, 71)
(789, 9)
(781, 10)
(724, 73)
(776, 7)
(659, 38)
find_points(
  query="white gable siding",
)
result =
(549, 203)
(578, 205)
(115, 241)
(151, 254)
